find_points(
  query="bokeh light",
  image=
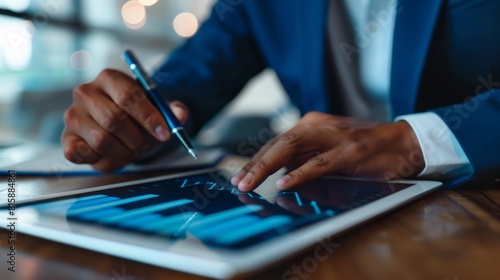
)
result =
(148, 2)
(185, 24)
(18, 45)
(81, 60)
(134, 14)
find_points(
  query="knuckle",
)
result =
(113, 107)
(107, 74)
(302, 172)
(118, 113)
(124, 98)
(137, 95)
(81, 92)
(261, 165)
(290, 138)
(109, 122)
(69, 116)
(72, 120)
(100, 141)
(248, 166)
(319, 161)
(151, 120)
(359, 148)
(69, 153)
(84, 150)
(312, 115)
(269, 144)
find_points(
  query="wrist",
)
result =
(410, 146)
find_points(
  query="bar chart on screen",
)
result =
(207, 207)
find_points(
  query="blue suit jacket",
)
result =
(446, 58)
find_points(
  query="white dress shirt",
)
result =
(366, 78)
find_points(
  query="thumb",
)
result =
(180, 111)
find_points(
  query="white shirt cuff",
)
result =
(443, 155)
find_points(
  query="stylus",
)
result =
(155, 96)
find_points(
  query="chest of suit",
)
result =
(291, 36)
(464, 56)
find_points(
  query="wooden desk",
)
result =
(449, 234)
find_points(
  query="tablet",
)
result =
(199, 223)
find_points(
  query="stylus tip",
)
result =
(192, 153)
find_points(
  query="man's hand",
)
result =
(112, 121)
(324, 144)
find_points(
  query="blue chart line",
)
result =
(314, 205)
(213, 185)
(184, 183)
(235, 191)
(297, 197)
(226, 224)
(299, 202)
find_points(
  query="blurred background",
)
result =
(48, 47)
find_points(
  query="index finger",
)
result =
(131, 98)
(277, 155)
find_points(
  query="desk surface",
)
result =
(445, 235)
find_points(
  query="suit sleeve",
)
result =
(211, 68)
(476, 125)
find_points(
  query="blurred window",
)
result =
(47, 47)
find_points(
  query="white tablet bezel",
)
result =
(191, 256)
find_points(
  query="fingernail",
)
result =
(177, 110)
(247, 180)
(237, 178)
(162, 133)
(283, 181)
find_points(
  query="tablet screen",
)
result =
(207, 207)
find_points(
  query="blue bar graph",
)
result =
(94, 215)
(74, 212)
(174, 221)
(250, 230)
(136, 222)
(224, 227)
(227, 217)
(212, 219)
(66, 202)
(144, 210)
